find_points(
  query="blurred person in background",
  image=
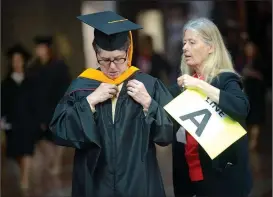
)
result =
(233, 43)
(206, 65)
(255, 88)
(151, 62)
(176, 17)
(259, 27)
(113, 116)
(17, 113)
(51, 77)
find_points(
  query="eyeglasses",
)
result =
(116, 61)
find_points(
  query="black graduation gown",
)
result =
(114, 159)
(220, 178)
(16, 107)
(50, 82)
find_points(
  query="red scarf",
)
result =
(192, 155)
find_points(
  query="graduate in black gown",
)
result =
(113, 116)
(17, 113)
(50, 77)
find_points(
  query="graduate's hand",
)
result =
(188, 81)
(102, 93)
(138, 92)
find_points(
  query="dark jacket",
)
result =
(220, 179)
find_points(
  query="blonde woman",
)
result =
(206, 65)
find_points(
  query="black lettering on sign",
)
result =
(215, 107)
(200, 126)
(221, 113)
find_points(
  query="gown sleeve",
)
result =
(161, 126)
(233, 100)
(73, 124)
(175, 91)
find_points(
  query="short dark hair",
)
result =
(125, 46)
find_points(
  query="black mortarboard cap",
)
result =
(18, 48)
(111, 30)
(47, 40)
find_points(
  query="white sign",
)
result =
(205, 121)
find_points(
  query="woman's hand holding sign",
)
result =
(190, 82)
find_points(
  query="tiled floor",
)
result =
(45, 185)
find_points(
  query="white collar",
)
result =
(17, 77)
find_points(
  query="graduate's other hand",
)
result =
(188, 81)
(138, 92)
(102, 93)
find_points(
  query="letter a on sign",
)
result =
(200, 126)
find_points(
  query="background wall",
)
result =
(89, 7)
(22, 20)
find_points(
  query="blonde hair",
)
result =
(218, 61)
